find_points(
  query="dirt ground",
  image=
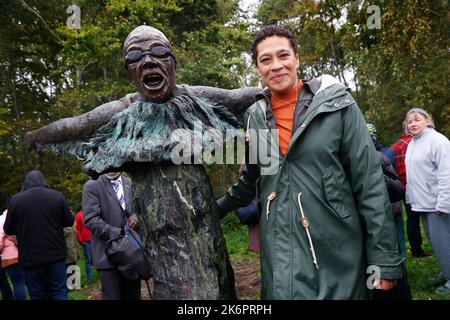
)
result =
(246, 277)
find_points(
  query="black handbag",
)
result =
(127, 253)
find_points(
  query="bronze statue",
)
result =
(175, 204)
(153, 84)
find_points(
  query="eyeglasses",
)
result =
(157, 52)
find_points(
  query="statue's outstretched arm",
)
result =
(82, 126)
(78, 127)
(235, 100)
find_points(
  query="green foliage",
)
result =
(230, 222)
(215, 65)
(49, 71)
(237, 241)
(314, 26)
(402, 65)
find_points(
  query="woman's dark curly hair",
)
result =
(270, 31)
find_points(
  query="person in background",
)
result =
(5, 288)
(107, 207)
(84, 238)
(249, 216)
(393, 184)
(412, 220)
(428, 185)
(10, 263)
(401, 290)
(379, 146)
(73, 253)
(37, 216)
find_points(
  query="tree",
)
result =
(402, 65)
(316, 26)
(49, 71)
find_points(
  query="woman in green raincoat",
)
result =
(326, 230)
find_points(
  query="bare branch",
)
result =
(40, 18)
(22, 125)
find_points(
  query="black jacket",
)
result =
(37, 216)
(391, 179)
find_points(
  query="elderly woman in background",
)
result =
(428, 185)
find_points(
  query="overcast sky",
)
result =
(249, 5)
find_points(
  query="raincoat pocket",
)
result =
(333, 194)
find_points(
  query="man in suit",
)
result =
(107, 207)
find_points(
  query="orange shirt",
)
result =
(283, 110)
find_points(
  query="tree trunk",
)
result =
(105, 73)
(79, 77)
(14, 96)
(180, 227)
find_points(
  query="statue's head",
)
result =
(150, 63)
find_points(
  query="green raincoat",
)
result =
(325, 214)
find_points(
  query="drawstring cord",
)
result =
(269, 199)
(247, 134)
(305, 224)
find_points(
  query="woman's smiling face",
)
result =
(416, 123)
(277, 64)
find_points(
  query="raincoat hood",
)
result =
(34, 179)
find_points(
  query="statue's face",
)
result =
(151, 66)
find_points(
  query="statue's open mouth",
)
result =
(153, 80)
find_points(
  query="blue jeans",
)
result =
(87, 249)
(47, 281)
(5, 287)
(17, 276)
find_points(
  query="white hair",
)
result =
(423, 113)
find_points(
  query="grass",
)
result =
(82, 294)
(236, 237)
(419, 270)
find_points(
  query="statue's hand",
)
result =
(30, 140)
